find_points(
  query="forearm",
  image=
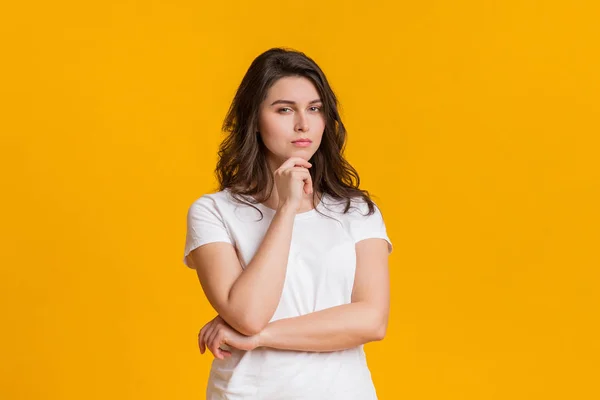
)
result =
(337, 328)
(256, 292)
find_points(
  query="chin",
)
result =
(306, 154)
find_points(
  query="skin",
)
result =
(280, 123)
(336, 328)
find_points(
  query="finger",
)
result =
(291, 171)
(304, 175)
(293, 161)
(308, 186)
(202, 339)
(221, 341)
(201, 336)
(226, 353)
(207, 335)
(211, 340)
(201, 342)
(298, 173)
(215, 344)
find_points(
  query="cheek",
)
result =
(271, 130)
(270, 123)
(319, 125)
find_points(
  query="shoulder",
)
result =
(224, 205)
(209, 204)
(358, 207)
(205, 223)
(363, 224)
(213, 199)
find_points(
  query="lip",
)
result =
(302, 142)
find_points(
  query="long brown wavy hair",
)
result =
(242, 165)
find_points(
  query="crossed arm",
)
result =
(247, 299)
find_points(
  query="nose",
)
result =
(301, 123)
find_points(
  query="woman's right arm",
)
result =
(247, 298)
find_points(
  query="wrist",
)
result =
(262, 338)
(286, 209)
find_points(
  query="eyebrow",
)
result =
(293, 102)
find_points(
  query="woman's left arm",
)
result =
(336, 328)
(348, 325)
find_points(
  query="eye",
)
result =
(316, 108)
(283, 109)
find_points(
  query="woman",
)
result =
(291, 254)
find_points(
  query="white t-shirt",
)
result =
(319, 275)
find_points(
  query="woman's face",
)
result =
(291, 112)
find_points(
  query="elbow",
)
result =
(245, 319)
(244, 324)
(250, 329)
(251, 326)
(379, 329)
(379, 333)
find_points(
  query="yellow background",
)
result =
(474, 123)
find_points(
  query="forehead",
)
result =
(294, 88)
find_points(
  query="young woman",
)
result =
(290, 253)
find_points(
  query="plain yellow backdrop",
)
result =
(473, 123)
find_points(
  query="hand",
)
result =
(293, 180)
(218, 332)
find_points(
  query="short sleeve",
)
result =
(204, 225)
(364, 226)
